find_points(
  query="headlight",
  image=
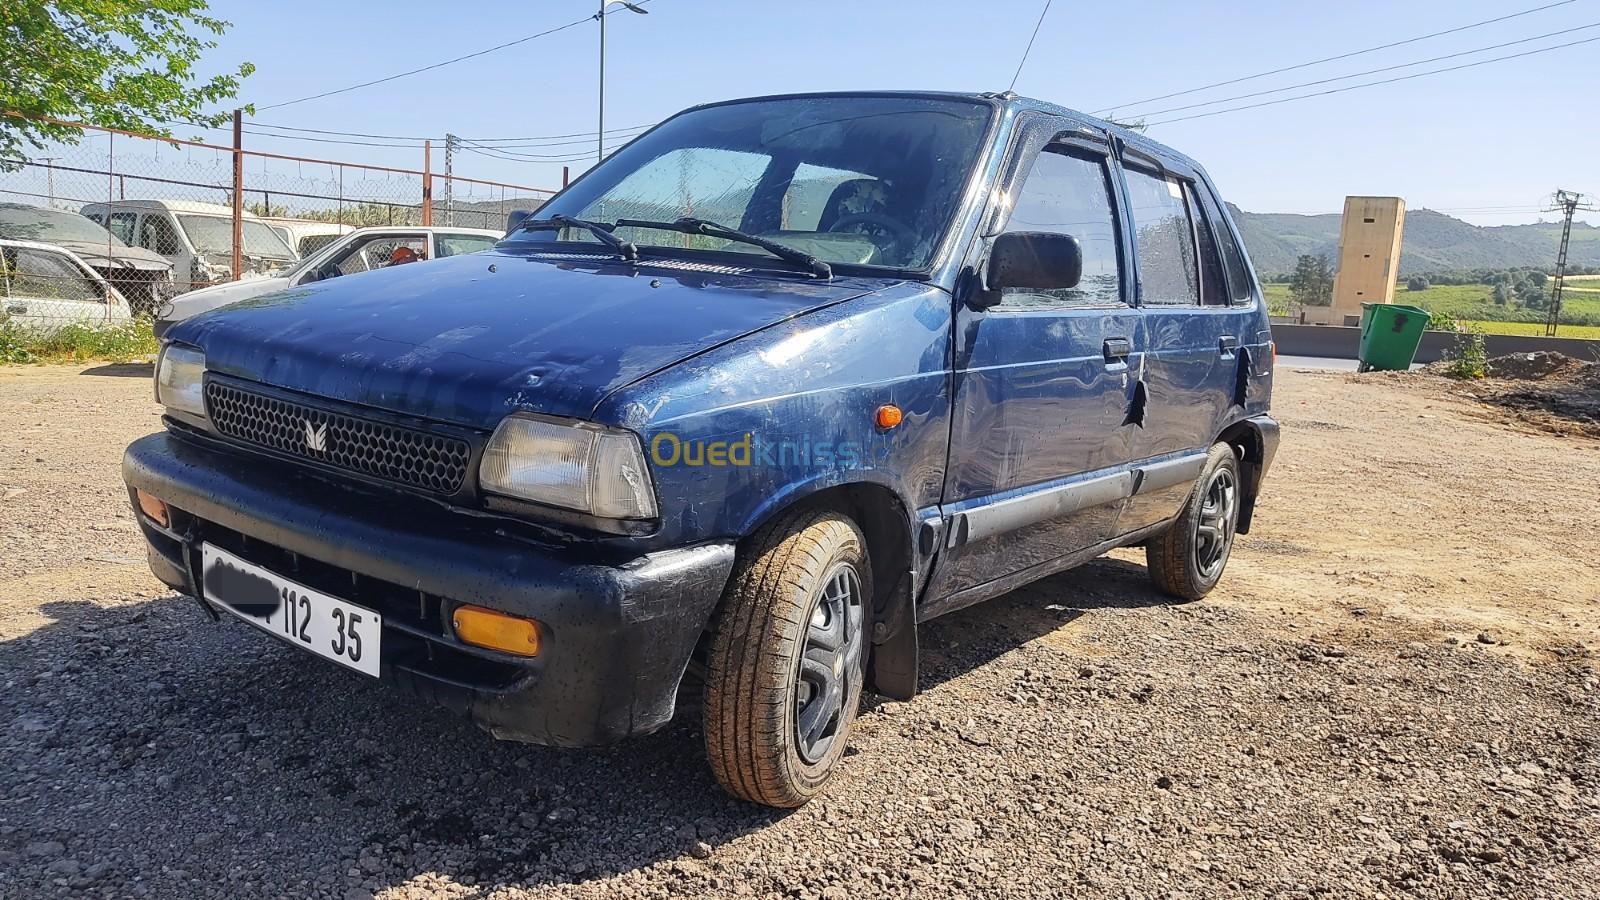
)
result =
(573, 465)
(179, 379)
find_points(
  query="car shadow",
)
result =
(122, 370)
(969, 638)
(222, 735)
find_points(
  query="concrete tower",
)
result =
(1369, 258)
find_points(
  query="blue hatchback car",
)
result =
(746, 404)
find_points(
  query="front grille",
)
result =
(393, 453)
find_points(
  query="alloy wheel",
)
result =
(1214, 527)
(830, 663)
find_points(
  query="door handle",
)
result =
(1228, 344)
(1117, 349)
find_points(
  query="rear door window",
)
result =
(1069, 192)
(1166, 240)
(50, 276)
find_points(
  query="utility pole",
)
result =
(1568, 202)
(449, 187)
(49, 179)
(600, 138)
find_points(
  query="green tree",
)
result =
(1417, 283)
(1312, 281)
(1502, 295)
(126, 64)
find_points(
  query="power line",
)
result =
(405, 137)
(1356, 87)
(497, 153)
(1420, 62)
(448, 62)
(1017, 74)
(1327, 59)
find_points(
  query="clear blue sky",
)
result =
(1500, 135)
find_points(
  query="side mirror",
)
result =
(1042, 260)
(516, 218)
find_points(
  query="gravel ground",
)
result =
(1392, 693)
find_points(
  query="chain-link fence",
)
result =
(105, 229)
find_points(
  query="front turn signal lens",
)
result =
(889, 416)
(154, 508)
(496, 630)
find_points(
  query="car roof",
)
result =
(1001, 99)
(176, 206)
(430, 229)
(42, 245)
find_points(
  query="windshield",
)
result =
(33, 223)
(854, 180)
(214, 234)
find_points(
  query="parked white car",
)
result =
(46, 287)
(196, 237)
(359, 251)
(306, 236)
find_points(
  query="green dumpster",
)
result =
(1390, 333)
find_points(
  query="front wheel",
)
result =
(1187, 559)
(786, 666)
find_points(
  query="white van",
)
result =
(197, 237)
(306, 236)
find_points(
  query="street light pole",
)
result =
(600, 137)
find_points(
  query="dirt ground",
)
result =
(1393, 692)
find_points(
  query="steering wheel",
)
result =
(876, 226)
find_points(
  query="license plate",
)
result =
(327, 626)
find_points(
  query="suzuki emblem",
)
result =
(316, 437)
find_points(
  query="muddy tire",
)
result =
(1187, 559)
(787, 660)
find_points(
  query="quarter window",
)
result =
(1165, 233)
(1069, 193)
(1239, 280)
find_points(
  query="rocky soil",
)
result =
(1393, 693)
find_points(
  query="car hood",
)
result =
(100, 256)
(472, 338)
(195, 302)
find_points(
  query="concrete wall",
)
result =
(1344, 343)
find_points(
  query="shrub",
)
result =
(1417, 283)
(1467, 358)
(13, 343)
(76, 341)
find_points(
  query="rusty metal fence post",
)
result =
(427, 182)
(238, 194)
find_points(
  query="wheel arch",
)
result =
(1254, 447)
(885, 520)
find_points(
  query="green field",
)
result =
(1473, 303)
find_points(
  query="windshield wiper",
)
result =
(624, 249)
(690, 225)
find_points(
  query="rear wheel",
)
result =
(1187, 560)
(785, 671)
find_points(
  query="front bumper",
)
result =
(618, 632)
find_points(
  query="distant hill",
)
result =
(1434, 242)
